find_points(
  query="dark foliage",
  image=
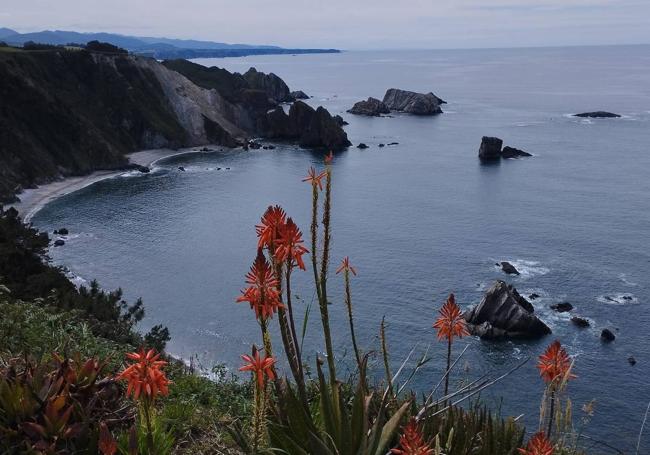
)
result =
(29, 277)
(107, 48)
(32, 46)
(57, 406)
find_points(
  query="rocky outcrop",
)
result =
(274, 87)
(340, 120)
(509, 268)
(412, 102)
(562, 307)
(580, 322)
(607, 336)
(504, 314)
(371, 107)
(511, 152)
(597, 114)
(299, 95)
(491, 150)
(311, 127)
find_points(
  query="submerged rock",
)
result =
(597, 114)
(509, 268)
(511, 152)
(607, 336)
(371, 107)
(59, 242)
(181, 168)
(362, 146)
(533, 296)
(412, 102)
(631, 360)
(562, 307)
(490, 148)
(62, 231)
(503, 313)
(580, 322)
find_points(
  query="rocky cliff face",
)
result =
(73, 112)
(66, 113)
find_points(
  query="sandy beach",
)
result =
(33, 200)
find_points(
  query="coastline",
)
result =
(34, 199)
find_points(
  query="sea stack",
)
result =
(412, 102)
(371, 107)
(504, 314)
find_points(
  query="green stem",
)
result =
(447, 372)
(550, 418)
(384, 350)
(147, 419)
(348, 303)
(314, 237)
(323, 278)
(300, 375)
(291, 320)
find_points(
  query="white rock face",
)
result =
(192, 103)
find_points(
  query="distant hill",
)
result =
(6, 32)
(160, 48)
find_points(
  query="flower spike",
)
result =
(411, 442)
(345, 266)
(262, 292)
(145, 377)
(451, 323)
(262, 368)
(555, 364)
(538, 445)
(290, 244)
(315, 179)
(270, 225)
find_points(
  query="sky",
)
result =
(348, 24)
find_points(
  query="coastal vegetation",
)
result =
(76, 377)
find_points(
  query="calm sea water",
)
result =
(419, 220)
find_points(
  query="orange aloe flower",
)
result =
(262, 368)
(314, 179)
(411, 441)
(107, 444)
(329, 158)
(262, 294)
(345, 266)
(538, 445)
(272, 222)
(554, 364)
(451, 323)
(145, 377)
(290, 244)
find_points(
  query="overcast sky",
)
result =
(348, 24)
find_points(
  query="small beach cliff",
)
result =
(71, 112)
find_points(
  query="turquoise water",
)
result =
(418, 220)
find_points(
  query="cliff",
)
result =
(72, 112)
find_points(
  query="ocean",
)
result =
(419, 220)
